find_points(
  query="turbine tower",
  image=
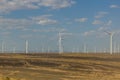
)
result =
(118, 48)
(14, 49)
(85, 48)
(2, 47)
(26, 46)
(111, 41)
(60, 43)
(42, 50)
(115, 47)
(60, 35)
(95, 50)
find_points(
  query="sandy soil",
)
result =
(60, 66)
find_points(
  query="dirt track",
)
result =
(60, 67)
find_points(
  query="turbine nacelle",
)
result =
(110, 33)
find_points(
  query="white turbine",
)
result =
(2, 47)
(42, 50)
(85, 48)
(111, 41)
(14, 49)
(73, 50)
(95, 49)
(48, 50)
(118, 48)
(26, 46)
(115, 47)
(60, 43)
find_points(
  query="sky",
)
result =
(82, 22)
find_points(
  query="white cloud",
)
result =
(117, 32)
(26, 36)
(81, 19)
(96, 22)
(56, 4)
(5, 33)
(11, 23)
(88, 33)
(48, 30)
(109, 23)
(105, 26)
(101, 14)
(29, 36)
(24, 24)
(11, 5)
(114, 6)
(44, 20)
(100, 31)
(96, 33)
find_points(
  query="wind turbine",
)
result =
(118, 48)
(95, 49)
(14, 49)
(73, 50)
(111, 41)
(48, 50)
(60, 43)
(26, 46)
(42, 50)
(2, 47)
(85, 48)
(115, 47)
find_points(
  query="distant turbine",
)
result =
(26, 46)
(48, 50)
(95, 50)
(115, 47)
(42, 49)
(105, 50)
(85, 48)
(60, 43)
(111, 41)
(14, 49)
(77, 50)
(73, 50)
(2, 47)
(118, 48)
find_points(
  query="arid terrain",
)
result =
(67, 66)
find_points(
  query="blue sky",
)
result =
(39, 21)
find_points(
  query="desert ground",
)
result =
(54, 66)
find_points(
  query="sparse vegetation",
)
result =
(60, 66)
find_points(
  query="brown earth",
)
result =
(67, 66)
